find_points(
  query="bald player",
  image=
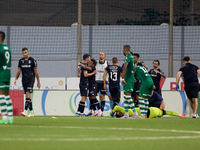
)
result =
(102, 63)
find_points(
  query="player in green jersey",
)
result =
(153, 112)
(128, 82)
(5, 74)
(146, 89)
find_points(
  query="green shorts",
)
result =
(5, 86)
(146, 88)
(128, 88)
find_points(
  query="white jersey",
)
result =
(100, 67)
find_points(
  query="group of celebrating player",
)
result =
(89, 86)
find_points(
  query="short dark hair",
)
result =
(114, 60)
(186, 58)
(94, 61)
(24, 48)
(85, 56)
(2, 35)
(136, 54)
(127, 47)
(157, 61)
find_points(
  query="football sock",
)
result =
(126, 106)
(102, 105)
(3, 107)
(27, 103)
(92, 105)
(131, 103)
(81, 107)
(96, 103)
(171, 113)
(144, 104)
(9, 107)
(30, 105)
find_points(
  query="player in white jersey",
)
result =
(100, 67)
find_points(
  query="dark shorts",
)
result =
(84, 90)
(115, 92)
(100, 88)
(28, 86)
(192, 90)
(136, 89)
(93, 90)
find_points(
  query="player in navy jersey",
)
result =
(28, 66)
(114, 72)
(156, 74)
(156, 101)
(189, 72)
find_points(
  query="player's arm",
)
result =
(79, 72)
(86, 67)
(104, 80)
(37, 77)
(177, 79)
(124, 70)
(17, 75)
(86, 74)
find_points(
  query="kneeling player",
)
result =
(114, 72)
(156, 101)
(153, 112)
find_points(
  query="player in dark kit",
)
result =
(94, 103)
(84, 85)
(114, 72)
(189, 72)
(28, 66)
(156, 74)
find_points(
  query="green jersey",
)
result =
(5, 63)
(142, 73)
(129, 75)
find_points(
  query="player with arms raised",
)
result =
(128, 82)
(114, 72)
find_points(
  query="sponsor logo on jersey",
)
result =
(4, 67)
(26, 66)
(5, 47)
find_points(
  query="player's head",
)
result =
(114, 60)
(126, 49)
(2, 36)
(25, 52)
(186, 59)
(119, 114)
(156, 63)
(102, 56)
(136, 56)
(92, 63)
(86, 58)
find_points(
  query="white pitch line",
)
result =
(108, 128)
(99, 139)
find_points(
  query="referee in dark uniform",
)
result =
(28, 66)
(189, 72)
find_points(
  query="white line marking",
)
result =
(100, 139)
(109, 128)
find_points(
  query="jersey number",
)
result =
(113, 76)
(7, 56)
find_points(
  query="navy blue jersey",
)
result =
(27, 67)
(155, 97)
(189, 72)
(114, 75)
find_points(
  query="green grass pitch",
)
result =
(100, 133)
